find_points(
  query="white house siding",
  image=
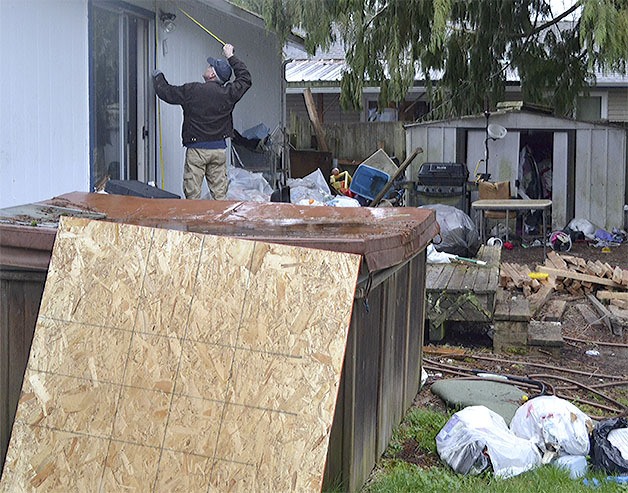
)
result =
(618, 105)
(183, 59)
(44, 130)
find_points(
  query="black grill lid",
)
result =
(454, 174)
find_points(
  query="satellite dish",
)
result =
(496, 132)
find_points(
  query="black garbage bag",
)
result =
(458, 233)
(604, 455)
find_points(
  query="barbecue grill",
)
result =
(443, 183)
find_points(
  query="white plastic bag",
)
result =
(343, 201)
(476, 434)
(247, 186)
(556, 426)
(583, 226)
(313, 186)
(436, 257)
(575, 464)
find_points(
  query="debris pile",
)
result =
(564, 273)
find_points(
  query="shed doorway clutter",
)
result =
(534, 178)
(182, 361)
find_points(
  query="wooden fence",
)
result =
(351, 141)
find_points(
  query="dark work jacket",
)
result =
(207, 106)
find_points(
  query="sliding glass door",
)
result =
(120, 112)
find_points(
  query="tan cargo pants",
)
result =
(208, 163)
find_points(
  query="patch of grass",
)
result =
(393, 476)
(420, 425)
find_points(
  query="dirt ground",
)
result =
(596, 382)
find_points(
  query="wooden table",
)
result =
(507, 205)
(462, 292)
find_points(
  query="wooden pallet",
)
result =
(462, 291)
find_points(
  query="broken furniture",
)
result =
(462, 292)
(507, 205)
(382, 363)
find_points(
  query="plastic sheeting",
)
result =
(458, 233)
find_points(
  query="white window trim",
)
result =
(603, 95)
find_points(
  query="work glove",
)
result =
(156, 72)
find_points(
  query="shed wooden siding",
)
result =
(618, 105)
(600, 176)
(44, 129)
(20, 295)
(438, 143)
(599, 152)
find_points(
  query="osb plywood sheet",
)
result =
(171, 361)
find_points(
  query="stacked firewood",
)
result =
(564, 273)
(605, 287)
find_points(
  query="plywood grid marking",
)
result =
(154, 372)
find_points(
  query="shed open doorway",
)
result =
(534, 178)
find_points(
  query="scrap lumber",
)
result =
(554, 260)
(316, 123)
(623, 304)
(538, 299)
(570, 274)
(601, 310)
(590, 317)
(612, 295)
(617, 275)
(554, 310)
(619, 319)
(566, 273)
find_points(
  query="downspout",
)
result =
(285, 143)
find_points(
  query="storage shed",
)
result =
(581, 166)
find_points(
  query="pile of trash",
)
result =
(544, 430)
(378, 174)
